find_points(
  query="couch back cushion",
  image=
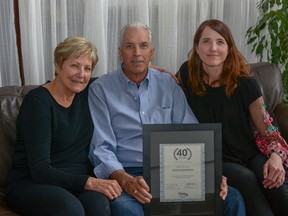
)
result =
(269, 78)
(10, 100)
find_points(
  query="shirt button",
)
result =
(143, 113)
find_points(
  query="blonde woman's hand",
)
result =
(110, 188)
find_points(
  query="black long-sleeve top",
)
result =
(52, 141)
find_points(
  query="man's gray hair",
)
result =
(134, 25)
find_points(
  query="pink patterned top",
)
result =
(272, 141)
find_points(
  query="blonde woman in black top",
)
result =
(51, 173)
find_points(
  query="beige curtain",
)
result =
(9, 65)
(44, 23)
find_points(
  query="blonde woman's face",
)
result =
(212, 48)
(75, 73)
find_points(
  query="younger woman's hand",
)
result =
(165, 71)
(273, 172)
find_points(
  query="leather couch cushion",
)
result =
(10, 100)
(270, 79)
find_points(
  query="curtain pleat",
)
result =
(9, 63)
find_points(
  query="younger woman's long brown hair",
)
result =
(235, 65)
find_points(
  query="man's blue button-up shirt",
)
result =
(119, 108)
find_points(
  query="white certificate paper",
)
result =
(182, 172)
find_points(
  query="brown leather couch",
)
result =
(268, 75)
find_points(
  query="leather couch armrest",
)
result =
(281, 114)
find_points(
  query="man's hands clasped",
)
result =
(138, 188)
(135, 186)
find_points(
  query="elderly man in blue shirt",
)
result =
(120, 103)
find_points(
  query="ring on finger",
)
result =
(135, 191)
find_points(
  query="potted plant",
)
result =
(269, 36)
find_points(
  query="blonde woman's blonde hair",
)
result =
(75, 46)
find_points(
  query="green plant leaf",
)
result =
(269, 35)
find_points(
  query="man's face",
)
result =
(136, 52)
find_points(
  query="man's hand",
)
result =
(138, 188)
(135, 186)
(273, 172)
(224, 188)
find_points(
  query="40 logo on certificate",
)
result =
(183, 168)
(182, 172)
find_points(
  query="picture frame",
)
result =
(182, 164)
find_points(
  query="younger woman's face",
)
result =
(212, 48)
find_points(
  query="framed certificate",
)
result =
(183, 167)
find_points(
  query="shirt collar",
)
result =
(126, 82)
